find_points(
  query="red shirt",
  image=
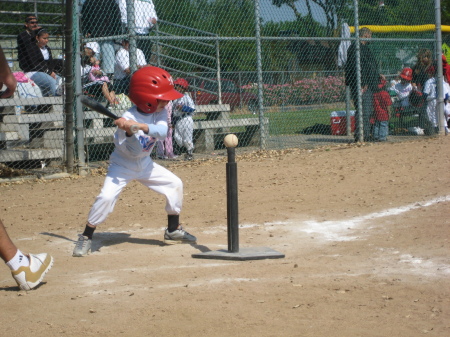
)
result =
(381, 103)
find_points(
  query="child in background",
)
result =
(164, 148)
(446, 87)
(94, 80)
(381, 102)
(430, 96)
(404, 88)
(446, 109)
(183, 110)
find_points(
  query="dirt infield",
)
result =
(365, 230)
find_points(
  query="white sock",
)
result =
(19, 260)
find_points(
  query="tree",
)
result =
(445, 12)
(289, 3)
(331, 8)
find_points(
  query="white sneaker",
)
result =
(82, 247)
(178, 236)
(29, 277)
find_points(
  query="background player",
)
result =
(183, 110)
(151, 89)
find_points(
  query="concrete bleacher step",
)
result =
(9, 136)
(33, 118)
(17, 154)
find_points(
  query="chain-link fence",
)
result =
(303, 74)
(32, 121)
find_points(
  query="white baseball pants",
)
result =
(154, 176)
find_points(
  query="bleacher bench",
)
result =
(218, 123)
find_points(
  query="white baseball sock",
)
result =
(19, 260)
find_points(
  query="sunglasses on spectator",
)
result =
(33, 22)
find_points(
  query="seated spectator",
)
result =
(95, 82)
(39, 64)
(122, 71)
(25, 39)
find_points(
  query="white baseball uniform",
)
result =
(184, 129)
(431, 91)
(131, 161)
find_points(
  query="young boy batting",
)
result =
(151, 89)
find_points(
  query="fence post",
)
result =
(219, 82)
(78, 91)
(359, 112)
(132, 35)
(262, 131)
(440, 80)
(68, 86)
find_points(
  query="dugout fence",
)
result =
(270, 71)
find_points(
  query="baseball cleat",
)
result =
(178, 236)
(82, 247)
(29, 277)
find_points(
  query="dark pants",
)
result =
(122, 86)
(367, 112)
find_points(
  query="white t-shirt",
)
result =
(45, 53)
(403, 91)
(179, 103)
(446, 106)
(144, 12)
(123, 62)
(430, 89)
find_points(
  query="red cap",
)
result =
(181, 82)
(406, 74)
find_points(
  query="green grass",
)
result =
(292, 122)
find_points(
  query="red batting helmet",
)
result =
(406, 74)
(182, 83)
(150, 84)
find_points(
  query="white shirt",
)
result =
(123, 62)
(134, 152)
(144, 12)
(446, 87)
(403, 91)
(178, 104)
(430, 89)
(45, 53)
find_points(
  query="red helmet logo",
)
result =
(406, 74)
(150, 84)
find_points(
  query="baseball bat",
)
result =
(98, 107)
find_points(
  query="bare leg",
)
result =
(7, 248)
(107, 94)
(113, 96)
